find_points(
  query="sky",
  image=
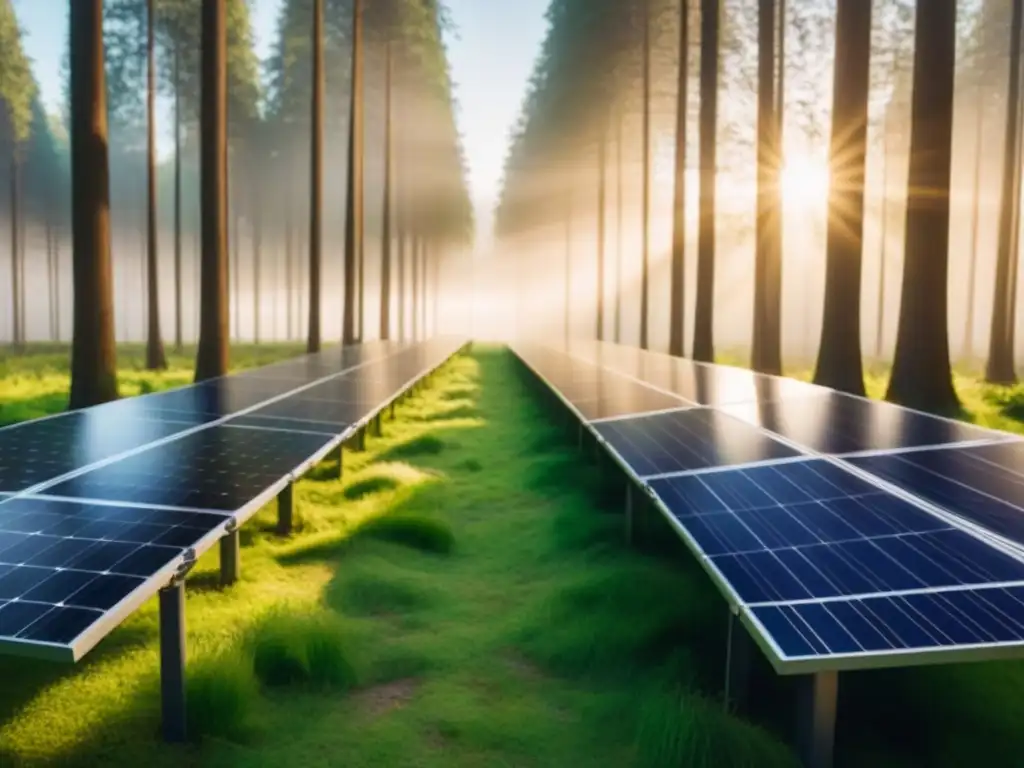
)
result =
(491, 53)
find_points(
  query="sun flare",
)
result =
(804, 183)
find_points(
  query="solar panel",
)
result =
(65, 565)
(220, 467)
(834, 423)
(985, 622)
(983, 484)
(39, 451)
(688, 440)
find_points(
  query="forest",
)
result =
(670, 175)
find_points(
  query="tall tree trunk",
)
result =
(178, 341)
(156, 360)
(316, 186)
(972, 274)
(645, 215)
(602, 185)
(57, 333)
(1000, 368)
(385, 256)
(765, 349)
(677, 312)
(15, 192)
(353, 202)
(839, 357)
(400, 255)
(703, 327)
(921, 375)
(93, 358)
(424, 247)
(235, 244)
(620, 247)
(212, 355)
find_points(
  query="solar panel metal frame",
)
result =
(782, 663)
(110, 619)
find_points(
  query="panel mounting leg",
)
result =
(818, 695)
(378, 430)
(630, 510)
(360, 439)
(737, 664)
(230, 559)
(285, 509)
(172, 661)
(392, 410)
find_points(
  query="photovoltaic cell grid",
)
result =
(830, 569)
(81, 553)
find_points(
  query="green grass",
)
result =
(538, 639)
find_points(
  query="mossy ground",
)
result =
(532, 637)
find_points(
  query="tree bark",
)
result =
(567, 298)
(765, 349)
(354, 187)
(424, 280)
(677, 313)
(257, 257)
(839, 357)
(93, 357)
(417, 243)
(385, 256)
(316, 183)
(156, 360)
(51, 276)
(921, 375)
(178, 341)
(645, 197)
(289, 280)
(401, 256)
(1000, 368)
(703, 329)
(212, 355)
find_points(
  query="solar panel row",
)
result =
(103, 506)
(820, 515)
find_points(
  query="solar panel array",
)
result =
(100, 507)
(848, 533)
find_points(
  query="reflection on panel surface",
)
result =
(39, 451)
(681, 441)
(983, 484)
(220, 468)
(834, 423)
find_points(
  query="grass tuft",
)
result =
(683, 729)
(370, 485)
(221, 690)
(422, 445)
(411, 530)
(366, 594)
(291, 647)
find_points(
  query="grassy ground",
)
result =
(35, 382)
(463, 598)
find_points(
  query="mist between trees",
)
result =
(269, 159)
(585, 111)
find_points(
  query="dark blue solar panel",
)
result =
(983, 484)
(221, 468)
(915, 622)
(38, 451)
(681, 441)
(941, 558)
(834, 423)
(63, 563)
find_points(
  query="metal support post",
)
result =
(360, 439)
(285, 509)
(230, 557)
(737, 664)
(378, 430)
(172, 660)
(818, 696)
